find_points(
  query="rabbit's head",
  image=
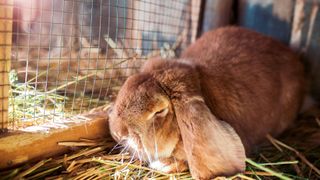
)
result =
(143, 118)
(160, 113)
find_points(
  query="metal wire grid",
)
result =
(81, 51)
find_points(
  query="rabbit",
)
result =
(209, 109)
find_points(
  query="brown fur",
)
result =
(229, 89)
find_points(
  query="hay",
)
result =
(29, 106)
(92, 162)
(295, 155)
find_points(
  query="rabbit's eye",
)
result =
(162, 112)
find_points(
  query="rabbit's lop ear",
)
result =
(212, 146)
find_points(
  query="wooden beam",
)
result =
(217, 14)
(24, 147)
(6, 14)
(297, 25)
(195, 14)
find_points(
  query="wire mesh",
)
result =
(69, 56)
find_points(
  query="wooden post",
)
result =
(297, 25)
(216, 14)
(195, 14)
(6, 14)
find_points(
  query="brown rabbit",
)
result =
(208, 109)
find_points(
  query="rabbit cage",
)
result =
(60, 59)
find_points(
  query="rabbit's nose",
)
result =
(123, 131)
(132, 143)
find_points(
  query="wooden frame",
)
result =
(6, 14)
(22, 147)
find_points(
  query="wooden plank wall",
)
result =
(271, 17)
(294, 22)
(5, 54)
(309, 42)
